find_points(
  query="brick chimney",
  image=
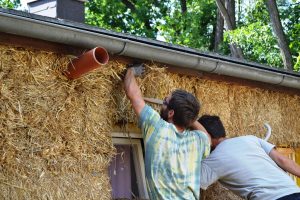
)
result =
(65, 9)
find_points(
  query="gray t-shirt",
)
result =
(243, 165)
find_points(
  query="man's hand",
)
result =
(138, 69)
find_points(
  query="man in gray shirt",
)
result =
(247, 165)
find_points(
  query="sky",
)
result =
(23, 5)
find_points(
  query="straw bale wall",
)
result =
(243, 109)
(218, 192)
(55, 133)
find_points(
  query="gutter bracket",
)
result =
(123, 50)
(216, 68)
(281, 80)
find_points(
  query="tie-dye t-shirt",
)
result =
(172, 159)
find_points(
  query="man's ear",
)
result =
(214, 142)
(170, 114)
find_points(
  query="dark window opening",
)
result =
(122, 173)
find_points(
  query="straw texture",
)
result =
(55, 133)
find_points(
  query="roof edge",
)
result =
(76, 34)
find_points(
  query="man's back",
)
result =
(172, 159)
(242, 165)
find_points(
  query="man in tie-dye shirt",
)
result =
(173, 152)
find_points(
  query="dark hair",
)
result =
(213, 125)
(186, 107)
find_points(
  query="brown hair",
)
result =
(186, 107)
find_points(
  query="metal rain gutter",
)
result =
(60, 31)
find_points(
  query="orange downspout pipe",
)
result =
(87, 62)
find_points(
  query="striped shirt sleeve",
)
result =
(204, 143)
(147, 121)
(266, 145)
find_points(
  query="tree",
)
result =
(278, 30)
(290, 16)
(183, 22)
(257, 42)
(9, 3)
(228, 12)
(138, 17)
(218, 31)
(254, 33)
(193, 28)
(183, 6)
(198, 24)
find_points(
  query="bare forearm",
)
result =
(291, 167)
(131, 87)
(285, 163)
(197, 126)
(133, 92)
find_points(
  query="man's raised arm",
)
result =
(133, 91)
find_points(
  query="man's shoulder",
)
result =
(147, 109)
(250, 137)
(199, 134)
(202, 140)
(149, 113)
(152, 117)
(242, 138)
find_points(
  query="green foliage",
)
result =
(256, 38)
(257, 13)
(297, 65)
(257, 42)
(141, 18)
(9, 3)
(151, 18)
(291, 14)
(195, 27)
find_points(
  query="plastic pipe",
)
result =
(87, 62)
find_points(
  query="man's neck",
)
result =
(179, 129)
(221, 140)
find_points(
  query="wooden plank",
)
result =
(153, 100)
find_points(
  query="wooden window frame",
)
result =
(135, 140)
